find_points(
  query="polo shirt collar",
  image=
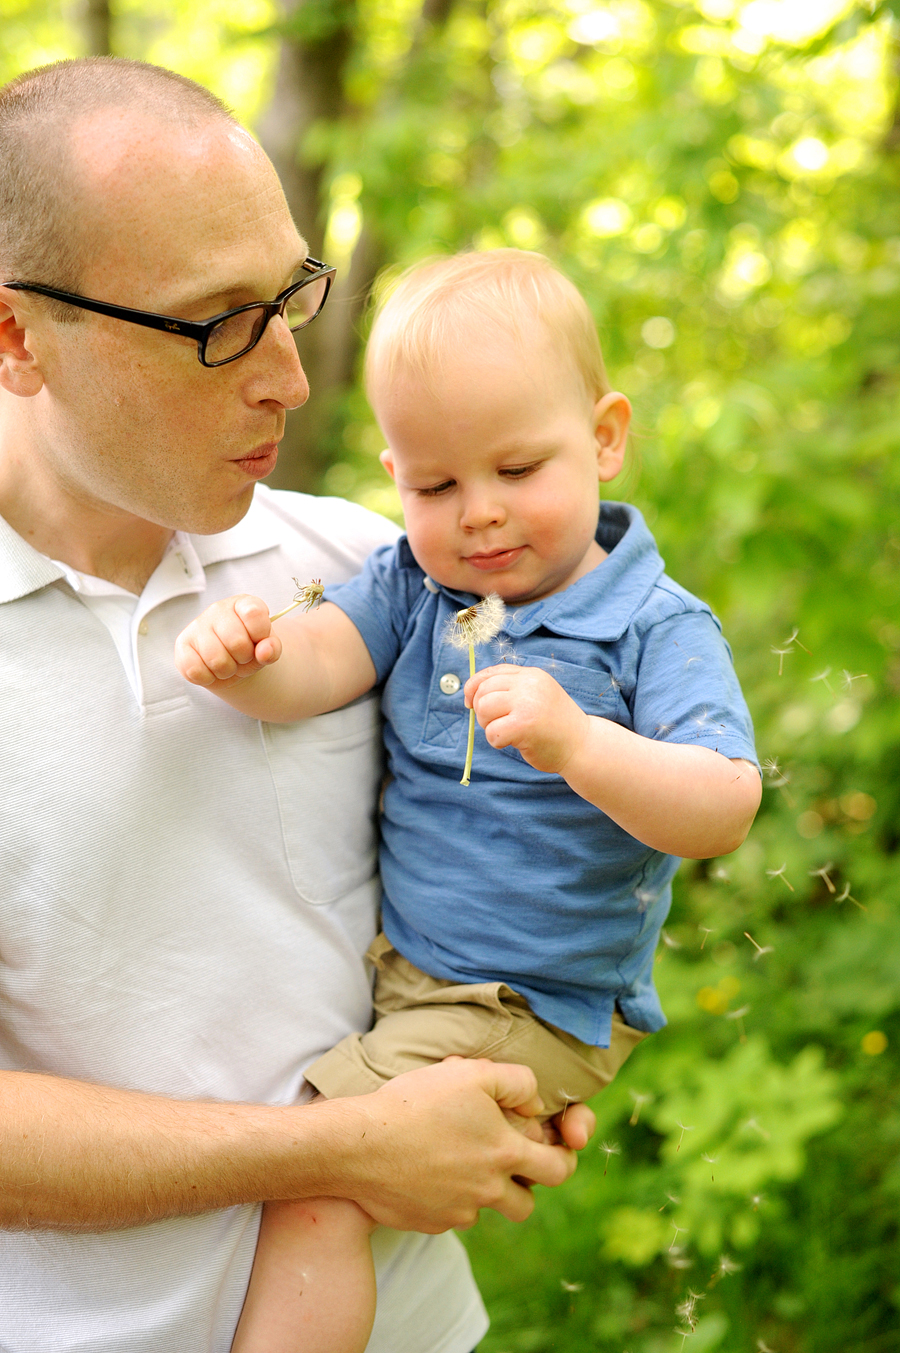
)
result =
(601, 605)
(24, 570)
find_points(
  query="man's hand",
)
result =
(227, 643)
(433, 1146)
(524, 707)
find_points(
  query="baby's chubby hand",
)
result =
(230, 641)
(523, 707)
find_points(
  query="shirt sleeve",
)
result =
(686, 689)
(379, 601)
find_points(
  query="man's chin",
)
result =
(208, 521)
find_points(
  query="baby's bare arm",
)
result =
(678, 799)
(302, 665)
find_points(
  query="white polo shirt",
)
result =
(187, 894)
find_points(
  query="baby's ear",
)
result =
(387, 461)
(612, 419)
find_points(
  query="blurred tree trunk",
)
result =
(96, 25)
(309, 92)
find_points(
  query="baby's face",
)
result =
(497, 460)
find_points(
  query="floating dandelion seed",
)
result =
(670, 1198)
(611, 1149)
(706, 933)
(823, 874)
(475, 625)
(845, 897)
(644, 898)
(507, 653)
(571, 1287)
(760, 949)
(780, 654)
(763, 1348)
(678, 1231)
(792, 639)
(690, 660)
(780, 874)
(848, 679)
(669, 942)
(823, 677)
(710, 1160)
(676, 1258)
(308, 597)
(726, 1267)
(739, 1016)
(751, 1125)
(687, 1311)
(639, 1102)
(720, 873)
(569, 1099)
(756, 1199)
(684, 1128)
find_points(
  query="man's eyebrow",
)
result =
(231, 291)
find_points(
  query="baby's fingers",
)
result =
(230, 640)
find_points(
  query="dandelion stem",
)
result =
(470, 745)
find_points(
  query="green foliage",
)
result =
(720, 178)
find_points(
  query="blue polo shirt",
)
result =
(517, 878)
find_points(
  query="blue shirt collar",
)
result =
(601, 605)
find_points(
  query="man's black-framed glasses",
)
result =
(227, 336)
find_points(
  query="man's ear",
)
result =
(20, 373)
(387, 461)
(612, 419)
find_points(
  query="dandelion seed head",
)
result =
(727, 1266)
(310, 595)
(476, 624)
(710, 1160)
(571, 1287)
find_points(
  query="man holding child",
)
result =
(187, 893)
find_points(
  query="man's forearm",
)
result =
(85, 1157)
(423, 1153)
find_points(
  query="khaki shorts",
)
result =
(422, 1019)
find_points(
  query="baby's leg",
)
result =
(312, 1289)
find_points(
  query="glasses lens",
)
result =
(306, 303)
(234, 335)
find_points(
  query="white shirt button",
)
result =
(450, 683)
(430, 586)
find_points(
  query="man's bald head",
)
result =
(45, 217)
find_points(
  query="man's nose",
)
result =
(284, 379)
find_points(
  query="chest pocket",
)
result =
(327, 773)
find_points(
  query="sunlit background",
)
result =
(720, 179)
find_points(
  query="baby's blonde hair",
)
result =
(445, 303)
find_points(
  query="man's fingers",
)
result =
(511, 1085)
(576, 1125)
